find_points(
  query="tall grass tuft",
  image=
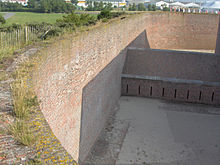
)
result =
(22, 133)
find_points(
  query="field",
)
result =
(24, 17)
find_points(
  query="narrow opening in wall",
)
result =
(200, 95)
(163, 93)
(127, 89)
(150, 91)
(187, 97)
(139, 90)
(175, 93)
(213, 96)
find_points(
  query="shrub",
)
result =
(105, 14)
(2, 20)
(10, 28)
(104, 20)
(74, 20)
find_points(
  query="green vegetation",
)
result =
(151, 7)
(44, 6)
(24, 105)
(22, 133)
(2, 20)
(107, 14)
(73, 20)
(22, 18)
(166, 9)
(132, 7)
(98, 6)
(141, 7)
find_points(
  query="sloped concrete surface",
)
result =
(163, 133)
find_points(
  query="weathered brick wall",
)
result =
(182, 31)
(172, 75)
(71, 63)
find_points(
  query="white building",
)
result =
(22, 2)
(162, 4)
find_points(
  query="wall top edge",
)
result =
(172, 51)
(171, 80)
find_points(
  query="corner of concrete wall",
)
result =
(100, 96)
(140, 41)
(217, 48)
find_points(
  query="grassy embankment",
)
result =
(22, 18)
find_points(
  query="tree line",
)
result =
(141, 7)
(98, 6)
(43, 6)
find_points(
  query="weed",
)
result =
(22, 133)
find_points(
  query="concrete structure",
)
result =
(161, 74)
(165, 133)
(79, 79)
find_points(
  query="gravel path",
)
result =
(8, 15)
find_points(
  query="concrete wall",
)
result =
(173, 64)
(217, 49)
(99, 97)
(71, 63)
(171, 90)
(173, 75)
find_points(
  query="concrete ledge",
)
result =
(172, 80)
(170, 90)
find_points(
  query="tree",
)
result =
(141, 7)
(89, 6)
(100, 5)
(108, 6)
(134, 8)
(74, 2)
(2, 20)
(153, 7)
(104, 14)
(149, 7)
(166, 9)
(33, 4)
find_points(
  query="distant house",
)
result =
(161, 4)
(82, 3)
(22, 2)
(67, 1)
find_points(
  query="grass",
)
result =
(25, 104)
(22, 133)
(24, 17)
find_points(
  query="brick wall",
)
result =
(172, 75)
(71, 63)
(182, 31)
